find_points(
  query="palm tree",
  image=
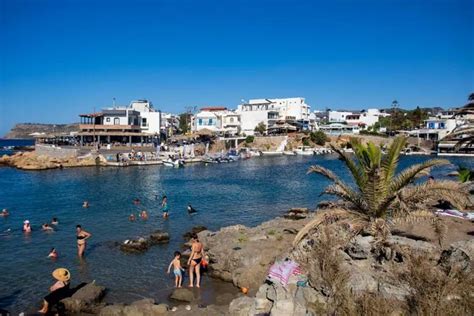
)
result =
(379, 192)
(464, 135)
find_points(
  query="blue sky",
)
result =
(62, 58)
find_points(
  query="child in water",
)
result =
(53, 253)
(131, 217)
(164, 207)
(177, 269)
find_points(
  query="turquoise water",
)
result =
(246, 192)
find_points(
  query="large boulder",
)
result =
(194, 230)
(145, 307)
(159, 237)
(85, 299)
(183, 295)
(297, 213)
(459, 256)
(241, 306)
(134, 246)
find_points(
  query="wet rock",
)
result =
(134, 246)
(194, 230)
(241, 306)
(143, 307)
(297, 213)
(183, 295)
(84, 299)
(159, 237)
(459, 256)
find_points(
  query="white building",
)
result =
(294, 111)
(339, 129)
(436, 128)
(219, 120)
(363, 119)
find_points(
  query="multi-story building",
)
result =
(137, 123)
(217, 119)
(363, 119)
(293, 111)
(436, 128)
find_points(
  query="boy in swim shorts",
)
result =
(177, 269)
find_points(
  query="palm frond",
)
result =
(408, 175)
(390, 160)
(322, 217)
(357, 171)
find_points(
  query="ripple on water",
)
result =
(247, 192)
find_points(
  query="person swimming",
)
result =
(136, 201)
(54, 221)
(46, 227)
(4, 213)
(144, 215)
(191, 210)
(131, 217)
(85, 204)
(26, 226)
(53, 253)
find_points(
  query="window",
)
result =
(210, 122)
(116, 121)
(107, 119)
(144, 121)
(441, 125)
(232, 120)
(200, 121)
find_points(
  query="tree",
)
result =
(319, 138)
(465, 174)
(184, 122)
(261, 128)
(379, 192)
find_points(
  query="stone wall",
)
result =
(56, 152)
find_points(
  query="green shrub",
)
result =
(306, 142)
(249, 139)
(319, 138)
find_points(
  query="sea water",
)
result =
(246, 192)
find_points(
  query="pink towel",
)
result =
(281, 271)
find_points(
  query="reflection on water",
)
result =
(246, 192)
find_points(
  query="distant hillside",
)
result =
(23, 130)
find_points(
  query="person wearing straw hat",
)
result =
(59, 290)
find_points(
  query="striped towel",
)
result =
(281, 271)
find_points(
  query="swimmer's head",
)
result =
(177, 254)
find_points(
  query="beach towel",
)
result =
(456, 214)
(281, 271)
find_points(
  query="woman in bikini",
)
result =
(81, 235)
(194, 262)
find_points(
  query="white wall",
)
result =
(338, 116)
(123, 120)
(153, 122)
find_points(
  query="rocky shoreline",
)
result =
(243, 256)
(32, 161)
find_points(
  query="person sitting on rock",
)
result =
(59, 290)
(177, 269)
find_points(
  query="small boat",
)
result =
(174, 163)
(289, 153)
(304, 151)
(210, 160)
(271, 153)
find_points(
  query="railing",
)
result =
(107, 127)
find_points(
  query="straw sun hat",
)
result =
(62, 274)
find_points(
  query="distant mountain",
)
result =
(24, 130)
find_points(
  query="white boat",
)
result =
(322, 151)
(289, 153)
(173, 163)
(272, 153)
(304, 151)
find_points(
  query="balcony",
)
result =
(102, 127)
